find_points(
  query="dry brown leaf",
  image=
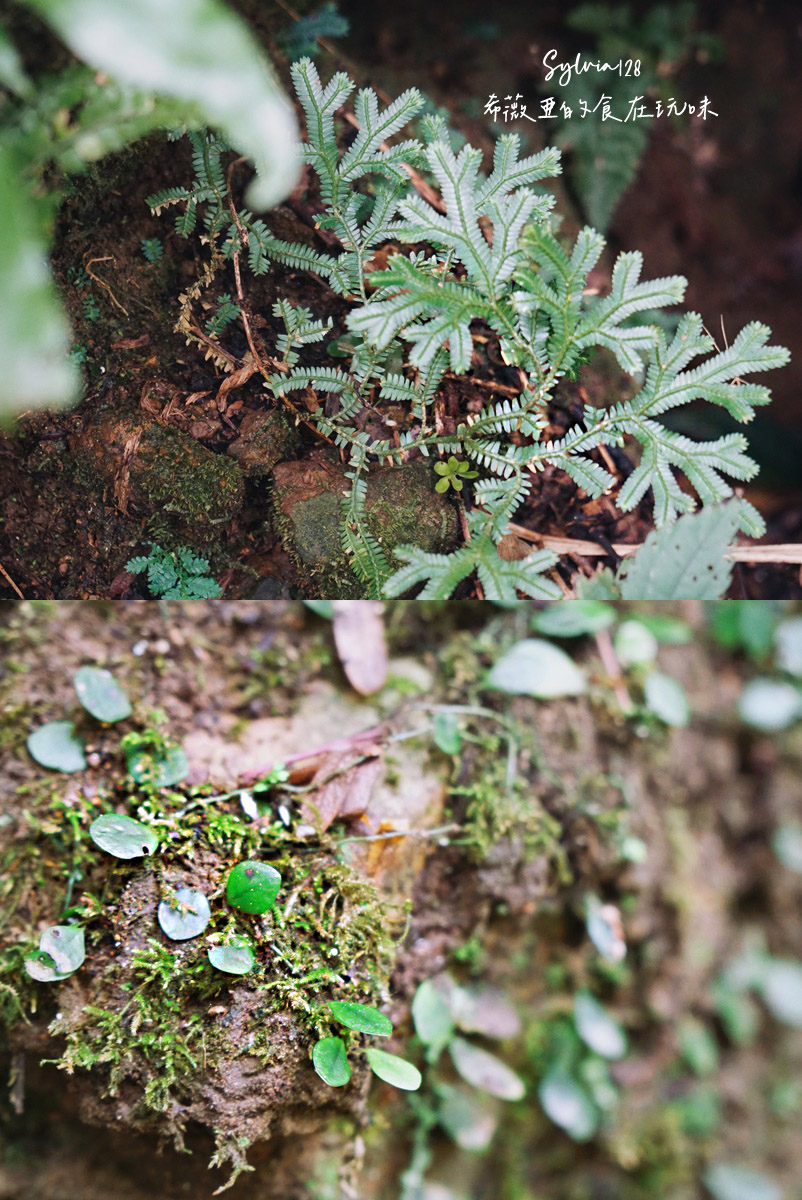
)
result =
(359, 638)
(343, 784)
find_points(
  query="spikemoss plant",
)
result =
(486, 255)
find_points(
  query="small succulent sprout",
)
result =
(453, 473)
(394, 1070)
(61, 952)
(186, 917)
(101, 695)
(122, 836)
(252, 887)
(331, 1062)
(235, 956)
(361, 1018)
(56, 746)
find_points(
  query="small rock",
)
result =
(155, 469)
(265, 438)
(402, 507)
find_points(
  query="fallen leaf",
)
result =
(359, 638)
(343, 784)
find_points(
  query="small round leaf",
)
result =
(431, 1014)
(361, 1018)
(122, 836)
(252, 887)
(666, 698)
(394, 1070)
(728, 1181)
(331, 1062)
(536, 668)
(235, 957)
(65, 945)
(189, 918)
(101, 695)
(56, 746)
(160, 769)
(770, 705)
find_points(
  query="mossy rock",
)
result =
(402, 507)
(156, 469)
(265, 438)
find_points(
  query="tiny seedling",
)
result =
(175, 574)
(330, 1054)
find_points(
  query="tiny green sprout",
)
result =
(122, 836)
(57, 747)
(361, 1018)
(61, 952)
(453, 473)
(101, 695)
(152, 249)
(186, 917)
(252, 887)
(235, 957)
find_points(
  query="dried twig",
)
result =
(10, 581)
(789, 552)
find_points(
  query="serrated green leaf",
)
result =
(684, 561)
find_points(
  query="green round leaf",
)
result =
(101, 695)
(485, 1071)
(160, 768)
(394, 1070)
(188, 919)
(666, 699)
(56, 746)
(61, 951)
(573, 618)
(568, 1105)
(770, 704)
(361, 1018)
(235, 958)
(597, 1028)
(635, 644)
(331, 1062)
(65, 945)
(728, 1181)
(252, 887)
(122, 836)
(536, 668)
